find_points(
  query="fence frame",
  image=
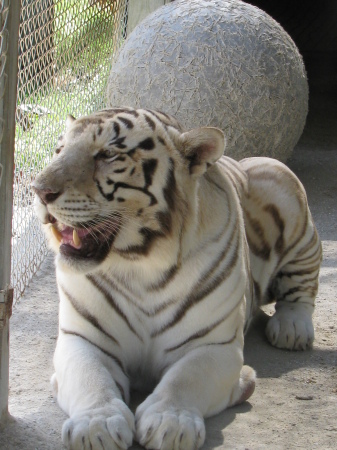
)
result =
(9, 26)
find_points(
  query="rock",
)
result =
(220, 63)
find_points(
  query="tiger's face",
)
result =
(119, 182)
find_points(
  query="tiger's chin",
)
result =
(84, 247)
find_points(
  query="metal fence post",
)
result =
(9, 32)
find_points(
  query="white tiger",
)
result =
(164, 250)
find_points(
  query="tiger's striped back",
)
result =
(284, 243)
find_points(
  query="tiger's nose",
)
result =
(46, 195)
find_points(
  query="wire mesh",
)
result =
(65, 53)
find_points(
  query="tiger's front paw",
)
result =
(110, 427)
(161, 425)
(291, 327)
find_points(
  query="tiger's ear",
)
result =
(202, 147)
(69, 120)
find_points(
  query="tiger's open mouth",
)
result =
(86, 241)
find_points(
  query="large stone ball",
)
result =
(221, 63)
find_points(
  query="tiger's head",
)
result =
(120, 182)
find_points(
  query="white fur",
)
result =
(195, 364)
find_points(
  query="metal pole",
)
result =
(9, 33)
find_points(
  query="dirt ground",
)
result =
(295, 402)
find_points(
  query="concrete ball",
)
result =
(221, 63)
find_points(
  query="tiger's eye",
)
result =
(106, 156)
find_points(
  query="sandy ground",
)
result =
(295, 402)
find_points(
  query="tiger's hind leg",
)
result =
(295, 288)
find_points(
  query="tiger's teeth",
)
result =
(76, 238)
(56, 233)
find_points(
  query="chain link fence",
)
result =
(65, 53)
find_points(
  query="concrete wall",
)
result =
(139, 9)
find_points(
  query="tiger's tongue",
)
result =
(69, 236)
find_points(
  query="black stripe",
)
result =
(274, 178)
(202, 333)
(157, 116)
(311, 290)
(131, 152)
(263, 173)
(201, 291)
(310, 279)
(115, 359)
(302, 272)
(120, 158)
(106, 113)
(312, 242)
(279, 222)
(128, 123)
(230, 341)
(170, 188)
(150, 122)
(263, 250)
(111, 195)
(118, 142)
(149, 237)
(149, 167)
(164, 114)
(111, 112)
(86, 315)
(166, 278)
(164, 219)
(164, 119)
(314, 258)
(113, 304)
(132, 112)
(146, 144)
(301, 236)
(126, 296)
(83, 123)
(210, 272)
(117, 128)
